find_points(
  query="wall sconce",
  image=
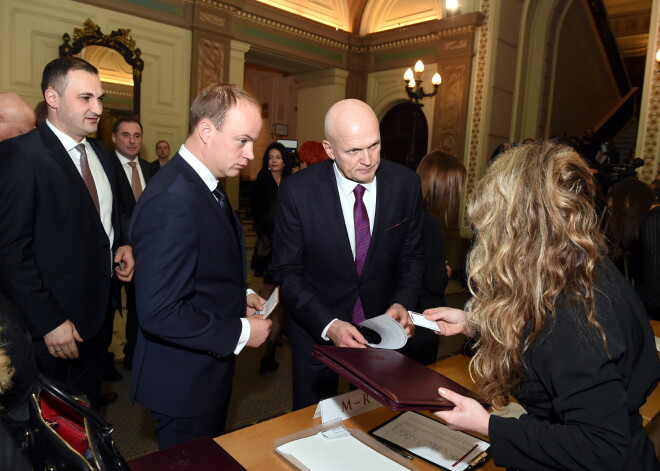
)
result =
(416, 93)
(657, 56)
(413, 81)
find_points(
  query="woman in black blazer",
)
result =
(557, 325)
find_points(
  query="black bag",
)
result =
(65, 434)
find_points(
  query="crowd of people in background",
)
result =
(566, 244)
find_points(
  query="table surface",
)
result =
(253, 446)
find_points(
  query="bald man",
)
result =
(346, 245)
(16, 116)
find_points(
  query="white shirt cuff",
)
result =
(325, 331)
(245, 335)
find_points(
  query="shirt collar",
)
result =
(67, 141)
(125, 160)
(199, 168)
(347, 186)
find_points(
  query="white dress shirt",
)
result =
(128, 170)
(345, 188)
(211, 182)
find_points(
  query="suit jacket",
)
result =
(190, 290)
(55, 257)
(312, 257)
(125, 192)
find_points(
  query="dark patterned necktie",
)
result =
(223, 201)
(87, 176)
(362, 241)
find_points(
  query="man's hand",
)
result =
(467, 414)
(344, 334)
(450, 321)
(125, 263)
(254, 303)
(400, 314)
(61, 341)
(259, 330)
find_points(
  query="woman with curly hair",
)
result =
(556, 325)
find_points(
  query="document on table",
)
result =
(431, 440)
(335, 449)
(392, 334)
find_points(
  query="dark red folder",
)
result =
(201, 454)
(391, 378)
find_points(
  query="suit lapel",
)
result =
(383, 201)
(329, 195)
(211, 204)
(63, 159)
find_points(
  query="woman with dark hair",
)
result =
(442, 177)
(276, 165)
(556, 324)
(633, 231)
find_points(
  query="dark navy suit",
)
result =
(190, 288)
(314, 265)
(55, 256)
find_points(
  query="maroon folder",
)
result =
(391, 378)
(201, 454)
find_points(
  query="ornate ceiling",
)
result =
(630, 18)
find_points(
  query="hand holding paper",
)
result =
(271, 304)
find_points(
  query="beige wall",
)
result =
(317, 92)
(31, 33)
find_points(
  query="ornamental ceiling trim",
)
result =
(318, 38)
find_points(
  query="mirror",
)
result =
(120, 69)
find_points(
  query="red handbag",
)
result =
(68, 423)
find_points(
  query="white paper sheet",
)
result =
(270, 304)
(392, 334)
(334, 450)
(421, 321)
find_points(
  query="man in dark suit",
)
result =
(59, 229)
(346, 245)
(191, 278)
(133, 174)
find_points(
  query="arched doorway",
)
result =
(404, 134)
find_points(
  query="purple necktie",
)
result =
(362, 240)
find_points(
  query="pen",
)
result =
(477, 461)
(399, 452)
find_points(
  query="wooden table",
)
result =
(253, 446)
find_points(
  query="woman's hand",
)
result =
(450, 321)
(467, 413)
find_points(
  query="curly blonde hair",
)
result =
(536, 238)
(6, 371)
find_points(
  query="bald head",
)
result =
(352, 139)
(16, 116)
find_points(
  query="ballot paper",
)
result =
(421, 321)
(271, 304)
(392, 334)
(432, 441)
(335, 449)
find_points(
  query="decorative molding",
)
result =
(212, 19)
(326, 41)
(476, 113)
(211, 63)
(650, 148)
(450, 109)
